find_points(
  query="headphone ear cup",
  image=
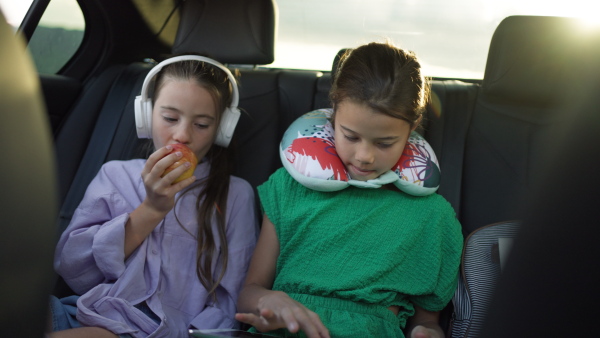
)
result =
(229, 120)
(143, 117)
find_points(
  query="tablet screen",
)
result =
(218, 333)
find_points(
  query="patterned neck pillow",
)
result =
(308, 153)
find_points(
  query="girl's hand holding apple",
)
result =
(167, 171)
(187, 156)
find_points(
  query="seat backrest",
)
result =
(112, 138)
(550, 281)
(28, 199)
(231, 31)
(529, 65)
(81, 120)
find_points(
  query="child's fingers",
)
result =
(305, 320)
(165, 162)
(321, 329)
(161, 190)
(157, 156)
(294, 319)
(159, 161)
(173, 174)
(290, 319)
(247, 318)
(163, 185)
(260, 323)
(183, 184)
(422, 332)
(267, 313)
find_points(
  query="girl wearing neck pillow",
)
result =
(360, 261)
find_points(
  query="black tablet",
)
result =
(219, 333)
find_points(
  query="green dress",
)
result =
(349, 255)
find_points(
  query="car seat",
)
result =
(549, 287)
(529, 67)
(533, 65)
(29, 202)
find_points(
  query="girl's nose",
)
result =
(183, 134)
(364, 154)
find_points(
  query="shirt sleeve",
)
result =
(91, 249)
(449, 253)
(242, 234)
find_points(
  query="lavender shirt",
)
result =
(162, 270)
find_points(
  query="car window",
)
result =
(58, 35)
(450, 37)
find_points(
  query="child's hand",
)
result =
(160, 191)
(277, 310)
(421, 331)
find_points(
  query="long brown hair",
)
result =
(385, 78)
(212, 199)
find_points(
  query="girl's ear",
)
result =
(417, 123)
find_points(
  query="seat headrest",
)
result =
(530, 59)
(231, 31)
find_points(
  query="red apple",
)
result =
(188, 156)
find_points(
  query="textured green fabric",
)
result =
(372, 246)
(348, 318)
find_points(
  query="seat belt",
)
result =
(460, 102)
(102, 138)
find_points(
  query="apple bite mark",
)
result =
(188, 156)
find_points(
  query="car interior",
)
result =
(491, 136)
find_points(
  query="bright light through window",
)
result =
(58, 35)
(450, 37)
(14, 11)
(59, 13)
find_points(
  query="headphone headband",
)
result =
(143, 104)
(156, 69)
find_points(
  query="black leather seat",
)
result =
(549, 287)
(529, 67)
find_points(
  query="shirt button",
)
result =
(154, 251)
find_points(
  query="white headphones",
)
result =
(143, 104)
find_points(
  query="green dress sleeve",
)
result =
(449, 252)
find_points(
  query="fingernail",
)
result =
(169, 148)
(179, 154)
(187, 164)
